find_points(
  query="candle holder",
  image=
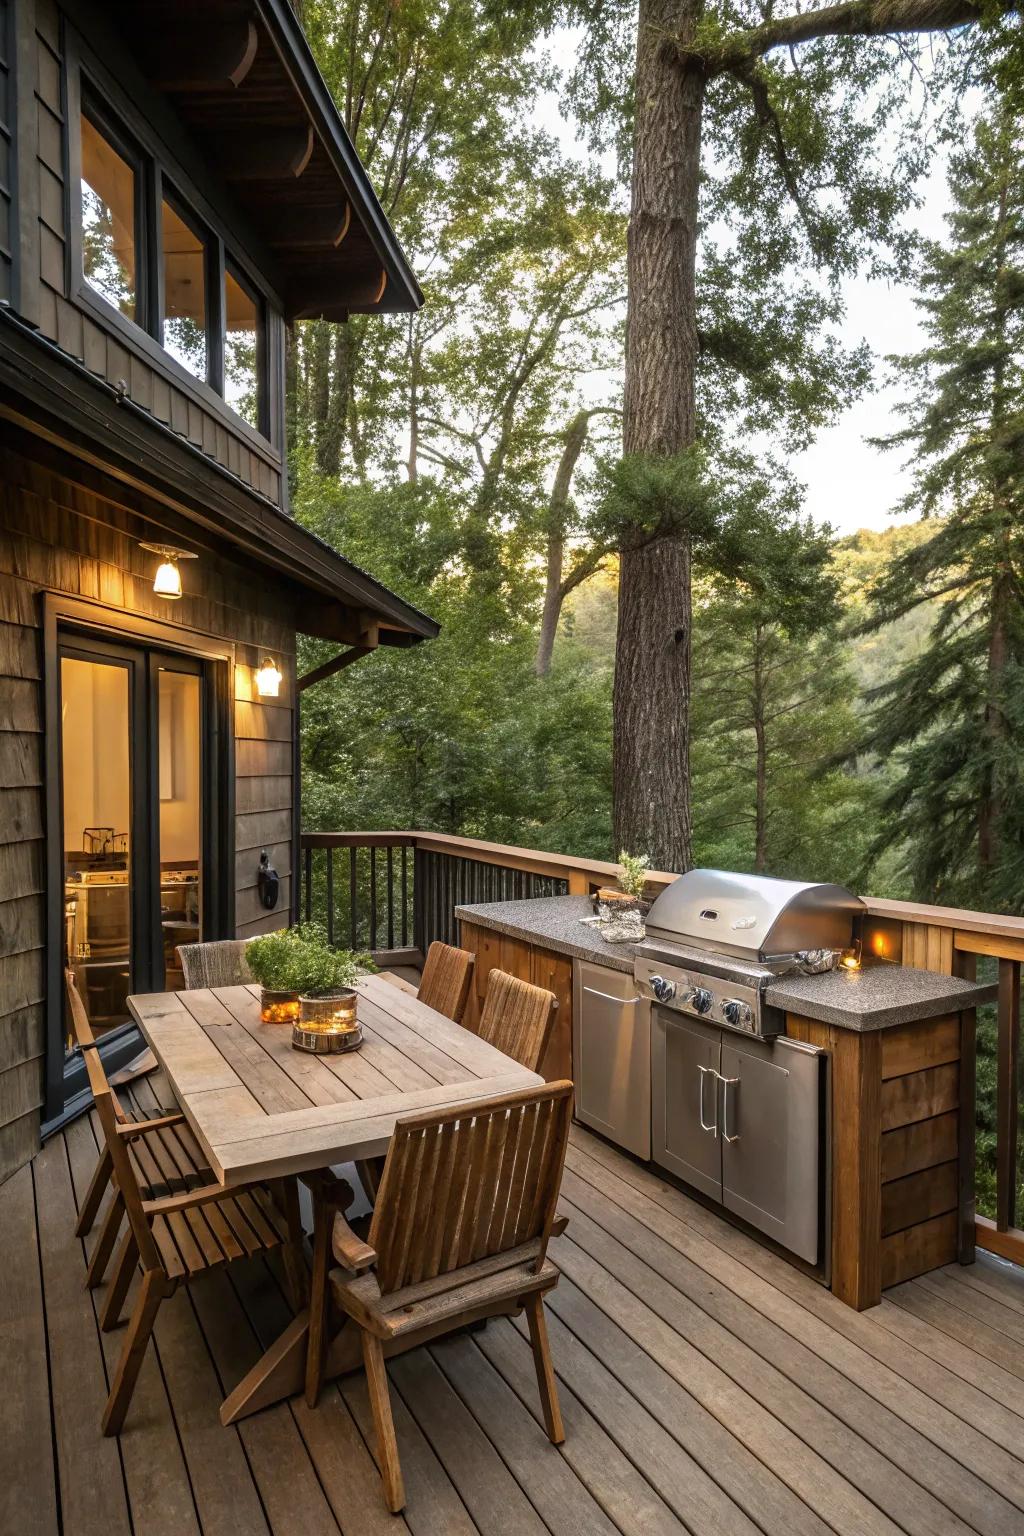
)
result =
(327, 1025)
(277, 1007)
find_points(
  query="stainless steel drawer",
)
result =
(611, 1052)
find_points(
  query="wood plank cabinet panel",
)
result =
(910, 1148)
(920, 1095)
(915, 1047)
(554, 973)
(920, 1196)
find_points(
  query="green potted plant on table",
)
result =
(308, 983)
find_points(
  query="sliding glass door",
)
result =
(137, 773)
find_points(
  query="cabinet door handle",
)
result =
(620, 1002)
(727, 1083)
(704, 1074)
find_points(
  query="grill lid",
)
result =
(752, 916)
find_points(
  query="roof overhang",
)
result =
(241, 78)
(128, 456)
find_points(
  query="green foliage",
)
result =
(300, 959)
(633, 872)
(949, 723)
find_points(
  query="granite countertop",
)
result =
(876, 997)
(554, 923)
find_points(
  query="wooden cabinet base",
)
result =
(530, 962)
(902, 1153)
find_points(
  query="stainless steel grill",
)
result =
(715, 940)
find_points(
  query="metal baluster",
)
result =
(391, 897)
(373, 897)
(308, 870)
(405, 897)
(352, 888)
(330, 895)
(1007, 1093)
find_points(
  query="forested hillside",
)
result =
(471, 457)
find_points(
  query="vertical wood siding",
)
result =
(57, 535)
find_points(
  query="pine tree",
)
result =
(949, 726)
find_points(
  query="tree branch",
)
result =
(850, 18)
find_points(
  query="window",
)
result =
(109, 204)
(241, 349)
(165, 269)
(184, 280)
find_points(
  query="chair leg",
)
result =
(545, 1370)
(323, 1217)
(383, 1423)
(370, 1170)
(105, 1244)
(97, 1186)
(127, 1259)
(152, 1292)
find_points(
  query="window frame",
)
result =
(158, 175)
(231, 267)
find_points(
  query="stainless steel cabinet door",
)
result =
(771, 1133)
(685, 1060)
(611, 1052)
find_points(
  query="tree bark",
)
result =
(651, 699)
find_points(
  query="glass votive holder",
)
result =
(278, 1007)
(327, 1024)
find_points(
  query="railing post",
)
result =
(373, 897)
(405, 896)
(309, 884)
(353, 876)
(1007, 1093)
(330, 895)
(419, 900)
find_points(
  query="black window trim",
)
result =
(86, 82)
(117, 136)
(232, 267)
(168, 193)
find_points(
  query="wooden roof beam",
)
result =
(313, 229)
(333, 297)
(219, 54)
(264, 154)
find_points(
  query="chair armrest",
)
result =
(559, 1225)
(349, 1249)
(132, 1128)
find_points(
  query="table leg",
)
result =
(281, 1371)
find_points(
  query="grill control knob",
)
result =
(739, 1015)
(663, 990)
(702, 999)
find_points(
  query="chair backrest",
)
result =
(110, 1115)
(221, 963)
(517, 1018)
(84, 1038)
(447, 974)
(469, 1183)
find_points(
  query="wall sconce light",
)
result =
(268, 679)
(167, 581)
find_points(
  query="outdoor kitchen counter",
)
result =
(876, 997)
(551, 922)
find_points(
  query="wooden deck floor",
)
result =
(707, 1387)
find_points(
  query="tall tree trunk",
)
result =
(554, 592)
(414, 354)
(651, 700)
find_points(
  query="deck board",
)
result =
(708, 1387)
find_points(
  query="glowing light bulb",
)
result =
(167, 581)
(268, 679)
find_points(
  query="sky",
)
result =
(849, 484)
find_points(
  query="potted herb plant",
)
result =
(298, 970)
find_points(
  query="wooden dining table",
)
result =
(262, 1110)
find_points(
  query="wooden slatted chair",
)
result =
(446, 980)
(220, 963)
(176, 1238)
(167, 1155)
(517, 1018)
(459, 1234)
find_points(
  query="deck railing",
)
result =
(395, 892)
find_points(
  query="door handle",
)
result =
(620, 1002)
(704, 1071)
(727, 1083)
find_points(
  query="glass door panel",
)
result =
(180, 777)
(97, 851)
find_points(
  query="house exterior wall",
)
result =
(46, 288)
(58, 536)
